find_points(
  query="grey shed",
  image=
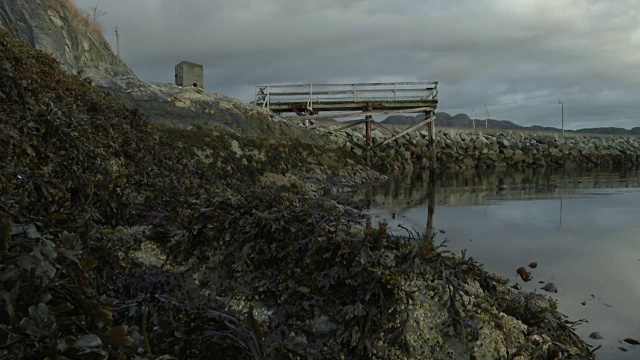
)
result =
(189, 74)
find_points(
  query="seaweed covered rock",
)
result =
(82, 178)
(327, 286)
(122, 239)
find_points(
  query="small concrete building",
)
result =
(189, 74)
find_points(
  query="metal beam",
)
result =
(345, 92)
(378, 112)
(406, 83)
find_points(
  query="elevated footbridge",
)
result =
(312, 99)
(307, 101)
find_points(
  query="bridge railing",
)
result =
(310, 94)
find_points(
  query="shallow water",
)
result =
(582, 228)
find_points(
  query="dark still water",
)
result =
(582, 228)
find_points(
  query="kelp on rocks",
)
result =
(121, 239)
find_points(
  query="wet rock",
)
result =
(525, 275)
(550, 287)
(533, 265)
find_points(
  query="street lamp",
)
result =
(562, 103)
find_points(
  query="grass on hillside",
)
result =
(80, 19)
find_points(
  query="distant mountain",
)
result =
(463, 121)
(608, 130)
(444, 119)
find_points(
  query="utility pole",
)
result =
(562, 124)
(473, 117)
(117, 42)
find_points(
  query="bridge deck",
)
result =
(313, 98)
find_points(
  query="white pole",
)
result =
(562, 124)
(486, 122)
(473, 117)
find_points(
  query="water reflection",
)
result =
(582, 229)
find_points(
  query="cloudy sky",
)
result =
(517, 57)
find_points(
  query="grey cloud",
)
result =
(516, 56)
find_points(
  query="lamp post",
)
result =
(562, 104)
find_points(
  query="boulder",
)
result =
(481, 143)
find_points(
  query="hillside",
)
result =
(464, 121)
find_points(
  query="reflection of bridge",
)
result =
(482, 188)
(352, 100)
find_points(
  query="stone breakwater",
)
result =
(456, 149)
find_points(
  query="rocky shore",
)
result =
(144, 220)
(465, 149)
(121, 238)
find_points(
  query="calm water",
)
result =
(583, 229)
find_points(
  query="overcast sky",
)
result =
(517, 57)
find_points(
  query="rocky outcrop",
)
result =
(188, 105)
(60, 29)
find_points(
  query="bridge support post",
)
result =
(428, 242)
(431, 128)
(368, 123)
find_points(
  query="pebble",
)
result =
(595, 336)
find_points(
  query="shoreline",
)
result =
(251, 256)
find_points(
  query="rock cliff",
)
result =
(60, 29)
